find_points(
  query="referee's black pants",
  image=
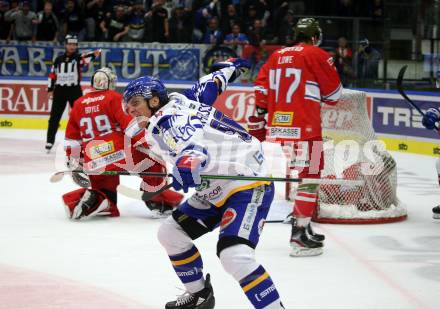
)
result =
(61, 95)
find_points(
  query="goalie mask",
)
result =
(308, 29)
(104, 79)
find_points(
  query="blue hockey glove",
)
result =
(240, 66)
(431, 117)
(186, 173)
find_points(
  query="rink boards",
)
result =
(24, 104)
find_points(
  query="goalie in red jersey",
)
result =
(101, 136)
(289, 88)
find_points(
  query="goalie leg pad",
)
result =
(84, 203)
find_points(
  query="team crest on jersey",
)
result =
(228, 217)
(282, 119)
(98, 150)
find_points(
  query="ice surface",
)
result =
(47, 261)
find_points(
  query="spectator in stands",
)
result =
(5, 26)
(376, 9)
(230, 19)
(202, 16)
(249, 20)
(368, 60)
(213, 34)
(48, 25)
(74, 20)
(285, 32)
(23, 22)
(345, 8)
(257, 34)
(137, 22)
(95, 11)
(343, 61)
(158, 22)
(181, 25)
(236, 39)
(115, 26)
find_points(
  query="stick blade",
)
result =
(57, 177)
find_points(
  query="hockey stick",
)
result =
(141, 195)
(403, 94)
(58, 176)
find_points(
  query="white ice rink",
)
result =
(49, 262)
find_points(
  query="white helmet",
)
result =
(104, 79)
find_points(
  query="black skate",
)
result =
(48, 147)
(436, 212)
(302, 243)
(159, 209)
(203, 299)
(313, 235)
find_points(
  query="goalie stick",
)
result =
(58, 176)
(404, 95)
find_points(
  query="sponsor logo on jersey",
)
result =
(203, 185)
(264, 293)
(282, 118)
(211, 194)
(282, 132)
(191, 272)
(91, 99)
(106, 160)
(228, 217)
(5, 123)
(260, 226)
(96, 151)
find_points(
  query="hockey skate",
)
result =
(203, 299)
(313, 235)
(48, 147)
(159, 209)
(290, 219)
(302, 243)
(436, 212)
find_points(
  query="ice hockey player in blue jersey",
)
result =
(192, 136)
(431, 121)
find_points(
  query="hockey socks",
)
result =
(189, 268)
(260, 289)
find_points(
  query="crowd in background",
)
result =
(230, 22)
(233, 23)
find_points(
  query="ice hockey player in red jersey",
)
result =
(289, 88)
(99, 137)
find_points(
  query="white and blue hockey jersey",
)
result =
(184, 126)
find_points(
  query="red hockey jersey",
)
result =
(97, 125)
(291, 86)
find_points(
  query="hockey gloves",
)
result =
(186, 173)
(257, 127)
(240, 66)
(431, 117)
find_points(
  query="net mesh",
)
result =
(352, 152)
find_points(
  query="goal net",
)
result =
(352, 152)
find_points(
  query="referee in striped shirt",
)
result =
(64, 83)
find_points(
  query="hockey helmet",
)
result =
(146, 87)
(309, 29)
(104, 79)
(71, 39)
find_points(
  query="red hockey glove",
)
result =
(257, 127)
